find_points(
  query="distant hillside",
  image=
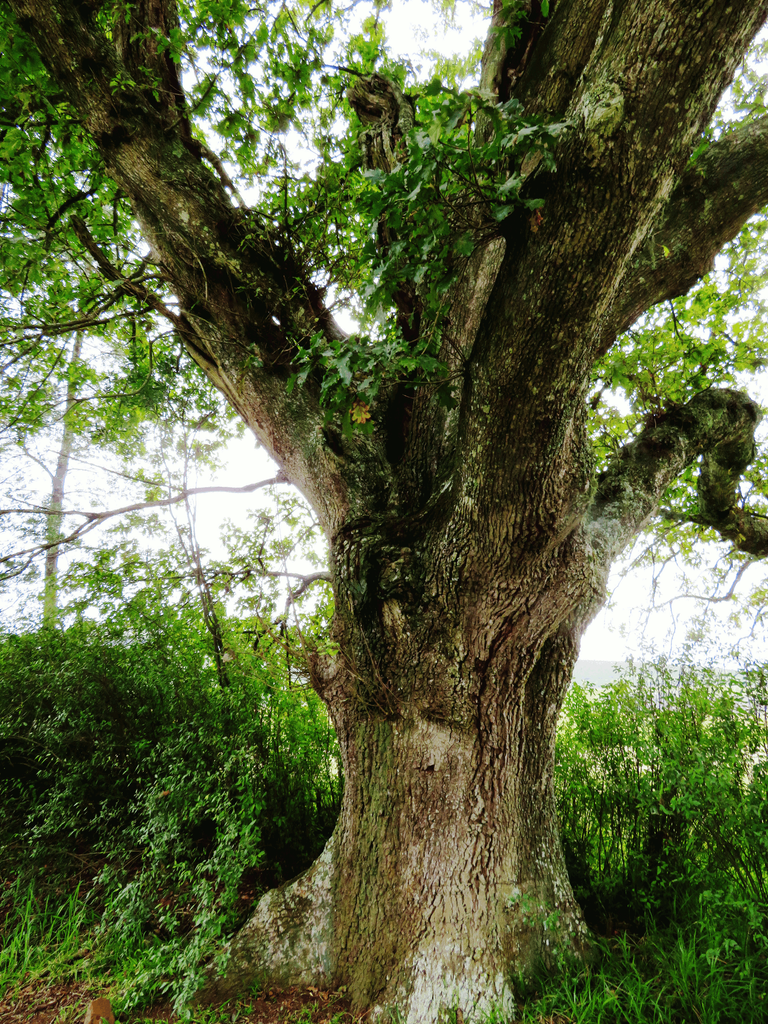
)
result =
(598, 672)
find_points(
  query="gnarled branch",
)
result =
(746, 530)
(718, 425)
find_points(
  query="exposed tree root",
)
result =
(287, 941)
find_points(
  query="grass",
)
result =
(714, 970)
(55, 941)
(662, 978)
(54, 953)
(666, 977)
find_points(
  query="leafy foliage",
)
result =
(186, 800)
(460, 173)
(662, 791)
(453, 186)
(662, 795)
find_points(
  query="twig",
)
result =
(113, 274)
(93, 519)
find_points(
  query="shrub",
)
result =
(184, 799)
(662, 788)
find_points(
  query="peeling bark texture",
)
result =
(469, 547)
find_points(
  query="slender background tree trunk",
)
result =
(55, 519)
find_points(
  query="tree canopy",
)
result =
(270, 102)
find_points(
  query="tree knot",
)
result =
(381, 103)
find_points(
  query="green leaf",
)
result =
(465, 244)
(501, 212)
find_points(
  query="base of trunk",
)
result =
(290, 940)
(444, 882)
(445, 976)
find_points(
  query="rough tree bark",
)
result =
(469, 548)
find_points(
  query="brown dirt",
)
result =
(38, 1003)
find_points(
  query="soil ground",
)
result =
(38, 1003)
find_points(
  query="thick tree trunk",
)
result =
(448, 864)
(444, 879)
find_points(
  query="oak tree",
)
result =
(499, 242)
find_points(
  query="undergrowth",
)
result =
(662, 786)
(671, 977)
(146, 808)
